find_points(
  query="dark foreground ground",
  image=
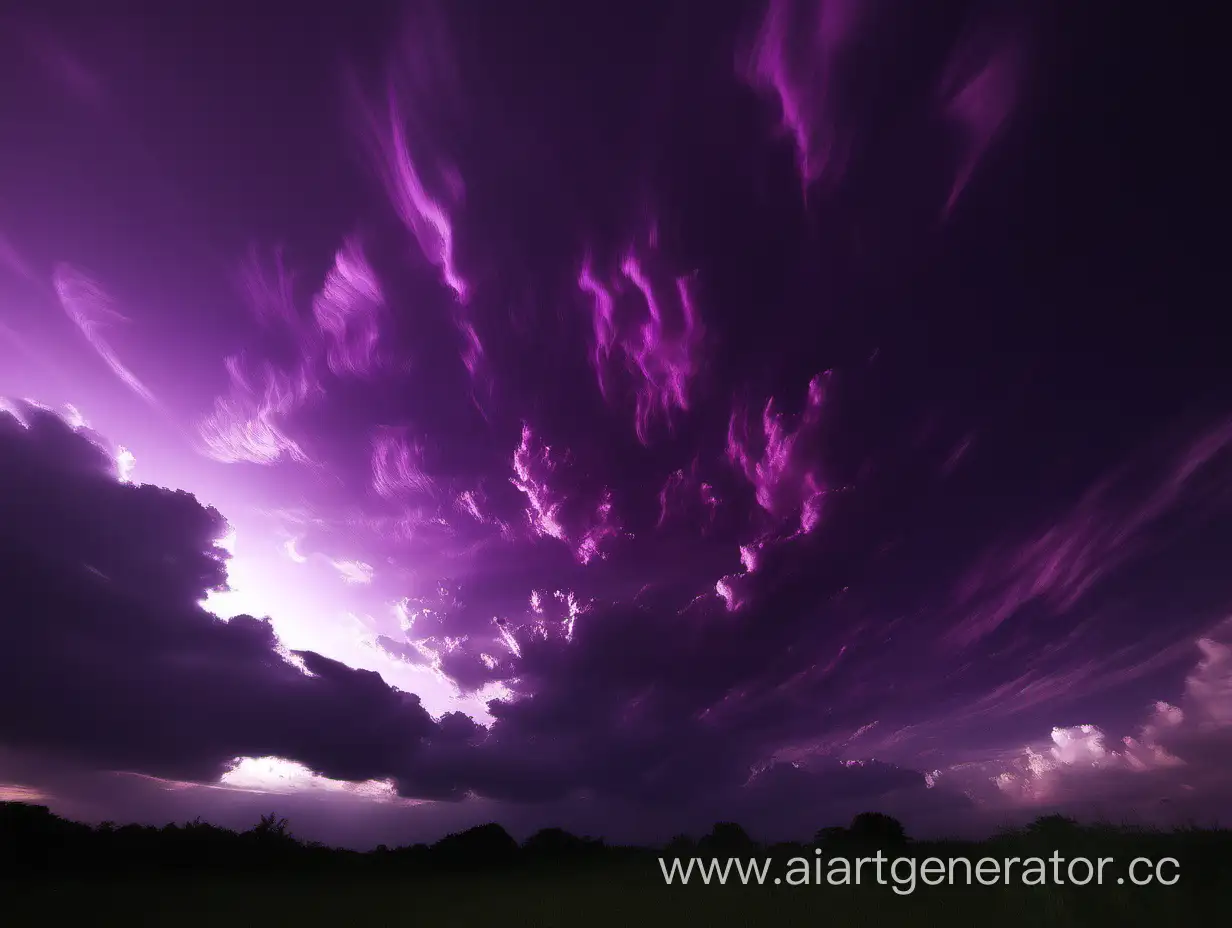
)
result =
(617, 897)
(544, 902)
(53, 871)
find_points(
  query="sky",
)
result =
(617, 416)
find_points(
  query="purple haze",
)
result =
(620, 419)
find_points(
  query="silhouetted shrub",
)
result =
(680, 846)
(831, 838)
(483, 846)
(726, 839)
(555, 845)
(877, 830)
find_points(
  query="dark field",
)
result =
(615, 898)
(52, 870)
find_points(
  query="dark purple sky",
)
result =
(767, 412)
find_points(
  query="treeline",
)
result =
(35, 842)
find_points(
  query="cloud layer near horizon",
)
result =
(111, 662)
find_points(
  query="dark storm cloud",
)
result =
(108, 658)
(110, 661)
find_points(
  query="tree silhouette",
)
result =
(553, 842)
(726, 838)
(680, 846)
(482, 846)
(831, 837)
(272, 828)
(878, 829)
(1053, 826)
